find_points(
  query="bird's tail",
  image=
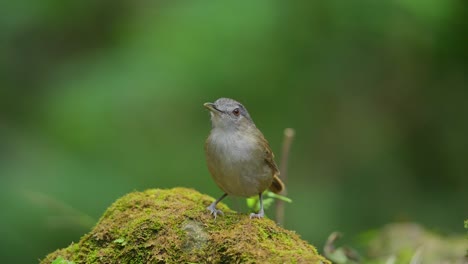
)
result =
(277, 185)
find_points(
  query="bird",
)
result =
(238, 156)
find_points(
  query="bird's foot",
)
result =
(214, 211)
(260, 214)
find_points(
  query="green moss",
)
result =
(173, 226)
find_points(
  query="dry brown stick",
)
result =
(287, 140)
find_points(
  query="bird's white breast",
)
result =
(237, 163)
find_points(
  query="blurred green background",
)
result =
(101, 98)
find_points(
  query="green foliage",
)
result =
(120, 241)
(466, 227)
(268, 199)
(60, 260)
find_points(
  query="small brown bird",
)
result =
(239, 157)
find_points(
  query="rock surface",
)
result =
(173, 226)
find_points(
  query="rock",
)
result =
(173, 226)
(412, 243)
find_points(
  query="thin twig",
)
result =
(287, 141)
(66, 215)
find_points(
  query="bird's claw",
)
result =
(214, 211)
(260, 214)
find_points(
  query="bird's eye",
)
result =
(236, 112)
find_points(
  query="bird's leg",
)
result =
(212, 207)
(261, 213)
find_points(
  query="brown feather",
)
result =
(276, 185)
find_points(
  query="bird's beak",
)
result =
(212, 107)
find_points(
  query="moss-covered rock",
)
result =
(411, 243)
(173, 226)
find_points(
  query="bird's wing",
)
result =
(276, 185)
(269, 156)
